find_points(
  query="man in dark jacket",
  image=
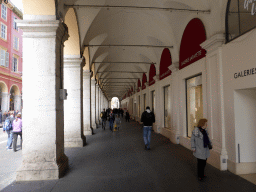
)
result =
(148, 118)
(103, 116)
(111, 120)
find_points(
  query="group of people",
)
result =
(112, 118)
(13, 127)
(6, 114)
(200, 141)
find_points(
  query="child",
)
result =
(118, 122)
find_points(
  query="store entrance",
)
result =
(245, 121)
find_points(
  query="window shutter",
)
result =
(2, 57)
(13, 63)
(6, 59)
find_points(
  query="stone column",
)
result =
(158, 95)
(43, 155)
(5, 102)
(93, 104)
(97, 105)
(215, 100)
(73, 106)
(17, 102)
(87, 102)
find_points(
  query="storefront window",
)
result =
(139, 106)
(145, 101)
(166, 104)
(153, 101)
(194, 102)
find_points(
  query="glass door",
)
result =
(194, 102)
(166, 104)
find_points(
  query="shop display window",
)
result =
(194, 102)
(153, 101)
(145, 102)
(166, 106)
(139, 106)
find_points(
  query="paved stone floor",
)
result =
(118, 162)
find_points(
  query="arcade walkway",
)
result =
(118, 162)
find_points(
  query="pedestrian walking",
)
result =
(111, 120)
(148, 118)
(127, 116)
(103, 116)
(17, 130)
(118, 122)
(7, 127)
(1, 117)
(201, 145)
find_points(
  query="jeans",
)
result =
(15, 137)
(147, 135)
(111, 122)
(103, 123)
(9, 140)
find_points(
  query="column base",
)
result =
(42, 170)
(75, 142)
(89, 132)
(94, 126)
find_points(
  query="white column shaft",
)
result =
(73, 128)
(93, 104)
(87, 102)
(43, 123)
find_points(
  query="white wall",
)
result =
(245, 121)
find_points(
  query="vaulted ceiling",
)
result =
(120, 39)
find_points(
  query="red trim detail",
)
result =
(139, 85)
(166, 61)
(190, 49)
(144, 80)
(152, 73)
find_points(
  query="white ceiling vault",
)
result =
(122, 38)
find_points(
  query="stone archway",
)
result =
(3, 96)
(15, 98)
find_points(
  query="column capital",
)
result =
(174, 67)
(43, 26)
(86, 74)
(73, 61)
(156, 78)
(213, 43)
(93, 82)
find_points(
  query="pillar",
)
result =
(87, 102)
(17, 102)
(97, 104)
(73, 106)
(43, 155)
(5, 102)
(215, 99)
(93, 104)
(158, 95)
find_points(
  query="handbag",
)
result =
(210, 146)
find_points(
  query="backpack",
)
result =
(101, 114)
(8, 125)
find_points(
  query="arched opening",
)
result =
(115, 103)
(14, 92)
(3, 89)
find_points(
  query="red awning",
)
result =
(190, 49)
(139, 85)
(166, 61)
(144, 80)
(152, 73)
